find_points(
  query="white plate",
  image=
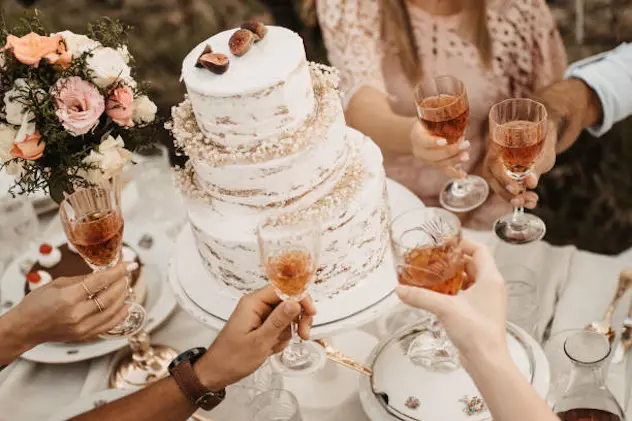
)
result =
(159, 304)
(88, 403)
(207, 301)
(439, 393)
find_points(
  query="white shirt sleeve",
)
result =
(609, 74)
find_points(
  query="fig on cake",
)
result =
(207, 50)
(49, 255)
(257, 28)
(216, 63)
(38, 279)
(241, 41)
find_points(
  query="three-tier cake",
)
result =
(268, 135)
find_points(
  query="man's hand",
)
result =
(259, 327)
(508, 188)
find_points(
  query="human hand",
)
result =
(508, 188)
(435, 150)
(62, 312)
(474, 319)
(259, 327)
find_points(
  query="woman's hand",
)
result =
(61, 311)
(435, 150)
(474, 319)
(259, 327)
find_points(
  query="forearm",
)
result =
(13, 338)
(505, 390)
(160, 401)
(370, 113)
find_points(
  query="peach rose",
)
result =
(32, 48)
(31, 148)
(119, 106)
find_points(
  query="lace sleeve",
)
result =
(549, 56)
(351, 30)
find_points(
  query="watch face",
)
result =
(191, 355)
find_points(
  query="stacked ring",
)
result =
(100, 306)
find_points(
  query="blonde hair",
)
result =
(397, 29)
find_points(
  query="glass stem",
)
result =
(295, 347)
(517, 220)
(460, 186)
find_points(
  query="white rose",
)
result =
(110, 158)
(13, 107)
(78, 44)
(143, 110)
(108, 66)
(124, 52)
(2, 59)
(7, 137)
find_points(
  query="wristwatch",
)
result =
(181, 369)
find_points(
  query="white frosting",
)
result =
(128, 254)
(354, 233)
(51, 259)
(72, 248)
(266, 92)
(45, 278)
(304, 176)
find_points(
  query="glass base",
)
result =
(464, 195)
(311, 360)
(132, 324)
(530, 229)
(131, 371)
(433, 350)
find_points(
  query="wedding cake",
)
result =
(265, 132)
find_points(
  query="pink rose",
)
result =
(79, 104)
(31, 148)
(119, 106)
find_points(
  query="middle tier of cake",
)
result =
(354, 221)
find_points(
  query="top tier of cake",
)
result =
(266, 92)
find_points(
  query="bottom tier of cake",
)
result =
(353, 219)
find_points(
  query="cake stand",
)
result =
(211, 303)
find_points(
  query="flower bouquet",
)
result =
(71, 111)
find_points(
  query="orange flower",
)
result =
(32, 48)
(31, 149)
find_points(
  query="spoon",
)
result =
(604, 327)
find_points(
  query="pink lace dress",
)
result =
(528, 54)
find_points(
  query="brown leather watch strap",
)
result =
(190, 385)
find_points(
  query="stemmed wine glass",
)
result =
(427, 247)
(289, 252)
(517, 129)
(444, 111)
(93, 223)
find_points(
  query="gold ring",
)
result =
(100, 306)
(87, 290)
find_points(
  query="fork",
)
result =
(604, 327)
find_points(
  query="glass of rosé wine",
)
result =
(517, 131)
(93, 223)
(289, 252)
(427, 248)
(444, 111)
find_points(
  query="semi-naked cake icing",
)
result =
(268, 136)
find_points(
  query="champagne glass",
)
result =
(427, 248)
(289, 252)
(93, 223)
(517, 129)
(444, 111)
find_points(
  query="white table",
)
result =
(575, 288)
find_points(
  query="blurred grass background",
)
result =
(586, 200)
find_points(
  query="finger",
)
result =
(98, 281)
(309, 309)
(278, 321)
(280, 347)
(424, 139)
(481, 256)
(65, 281)
(305, 326)
(110, 317)
(424, 299)
(268, 296)
(286, 335)
(528, 200)
(110, 324)
(443, 153)
(455, 160)
(107, 298)
(531, 180)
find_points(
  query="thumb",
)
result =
(279, 320)
(423, 298)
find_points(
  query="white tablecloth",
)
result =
(575, 288)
